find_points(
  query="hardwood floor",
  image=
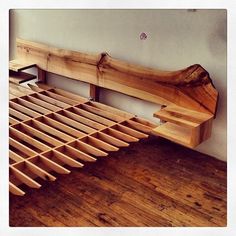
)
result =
(151, 183)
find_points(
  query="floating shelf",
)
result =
(184, 126)
(19, 65)
(174, 133)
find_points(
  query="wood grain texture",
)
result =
(184, 126)
(151, 183)
(63, 129)
(191, 87)
(18, 65)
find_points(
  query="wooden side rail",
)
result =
(191, 88)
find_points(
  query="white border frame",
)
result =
(113, 4)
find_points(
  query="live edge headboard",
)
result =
(188, 95)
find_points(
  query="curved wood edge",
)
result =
(193, 81)
(191, 76)
(191, 87)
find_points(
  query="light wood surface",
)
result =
(184, 126)
(19, 65)
(54, 119)
(53, 131)
(51, 128)
(191, 87)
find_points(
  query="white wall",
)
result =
(176, 39)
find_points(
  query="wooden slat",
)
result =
(11, 96)
(102, 113)
(13, 121)
(35, 88)
(88, 148)
(67, 160)
(60, 126)
(72, 96)
(28, 139)
(39, 171)
(48, 129)
(94, 117)
(15, 190)
(18, 65)
(74, 123)
(130, 131)
(24, 110)
(29, 152)
(83, 126)
(112, 110)
(42, 103)
(51, 100)
(53, 165)
(110, 139)
(83, 120)
(20, 77)
(40, 135)
(139, 126)
(24, 178)
(71, 151)
(44, 86)
(33, 106)
(22, 89)
(15, 93)
(61, 98)
(120, 135)
(100, 144)
(18, 114)
(14, 156)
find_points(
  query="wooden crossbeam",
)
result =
(51, 128)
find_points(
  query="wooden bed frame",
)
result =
(51, 128)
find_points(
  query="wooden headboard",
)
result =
(189, 95)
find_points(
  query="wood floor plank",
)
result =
(151, 183)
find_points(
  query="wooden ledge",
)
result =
(184, 126)
(190, 87)
(175, 133)
(20, 77)
(19, 65)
